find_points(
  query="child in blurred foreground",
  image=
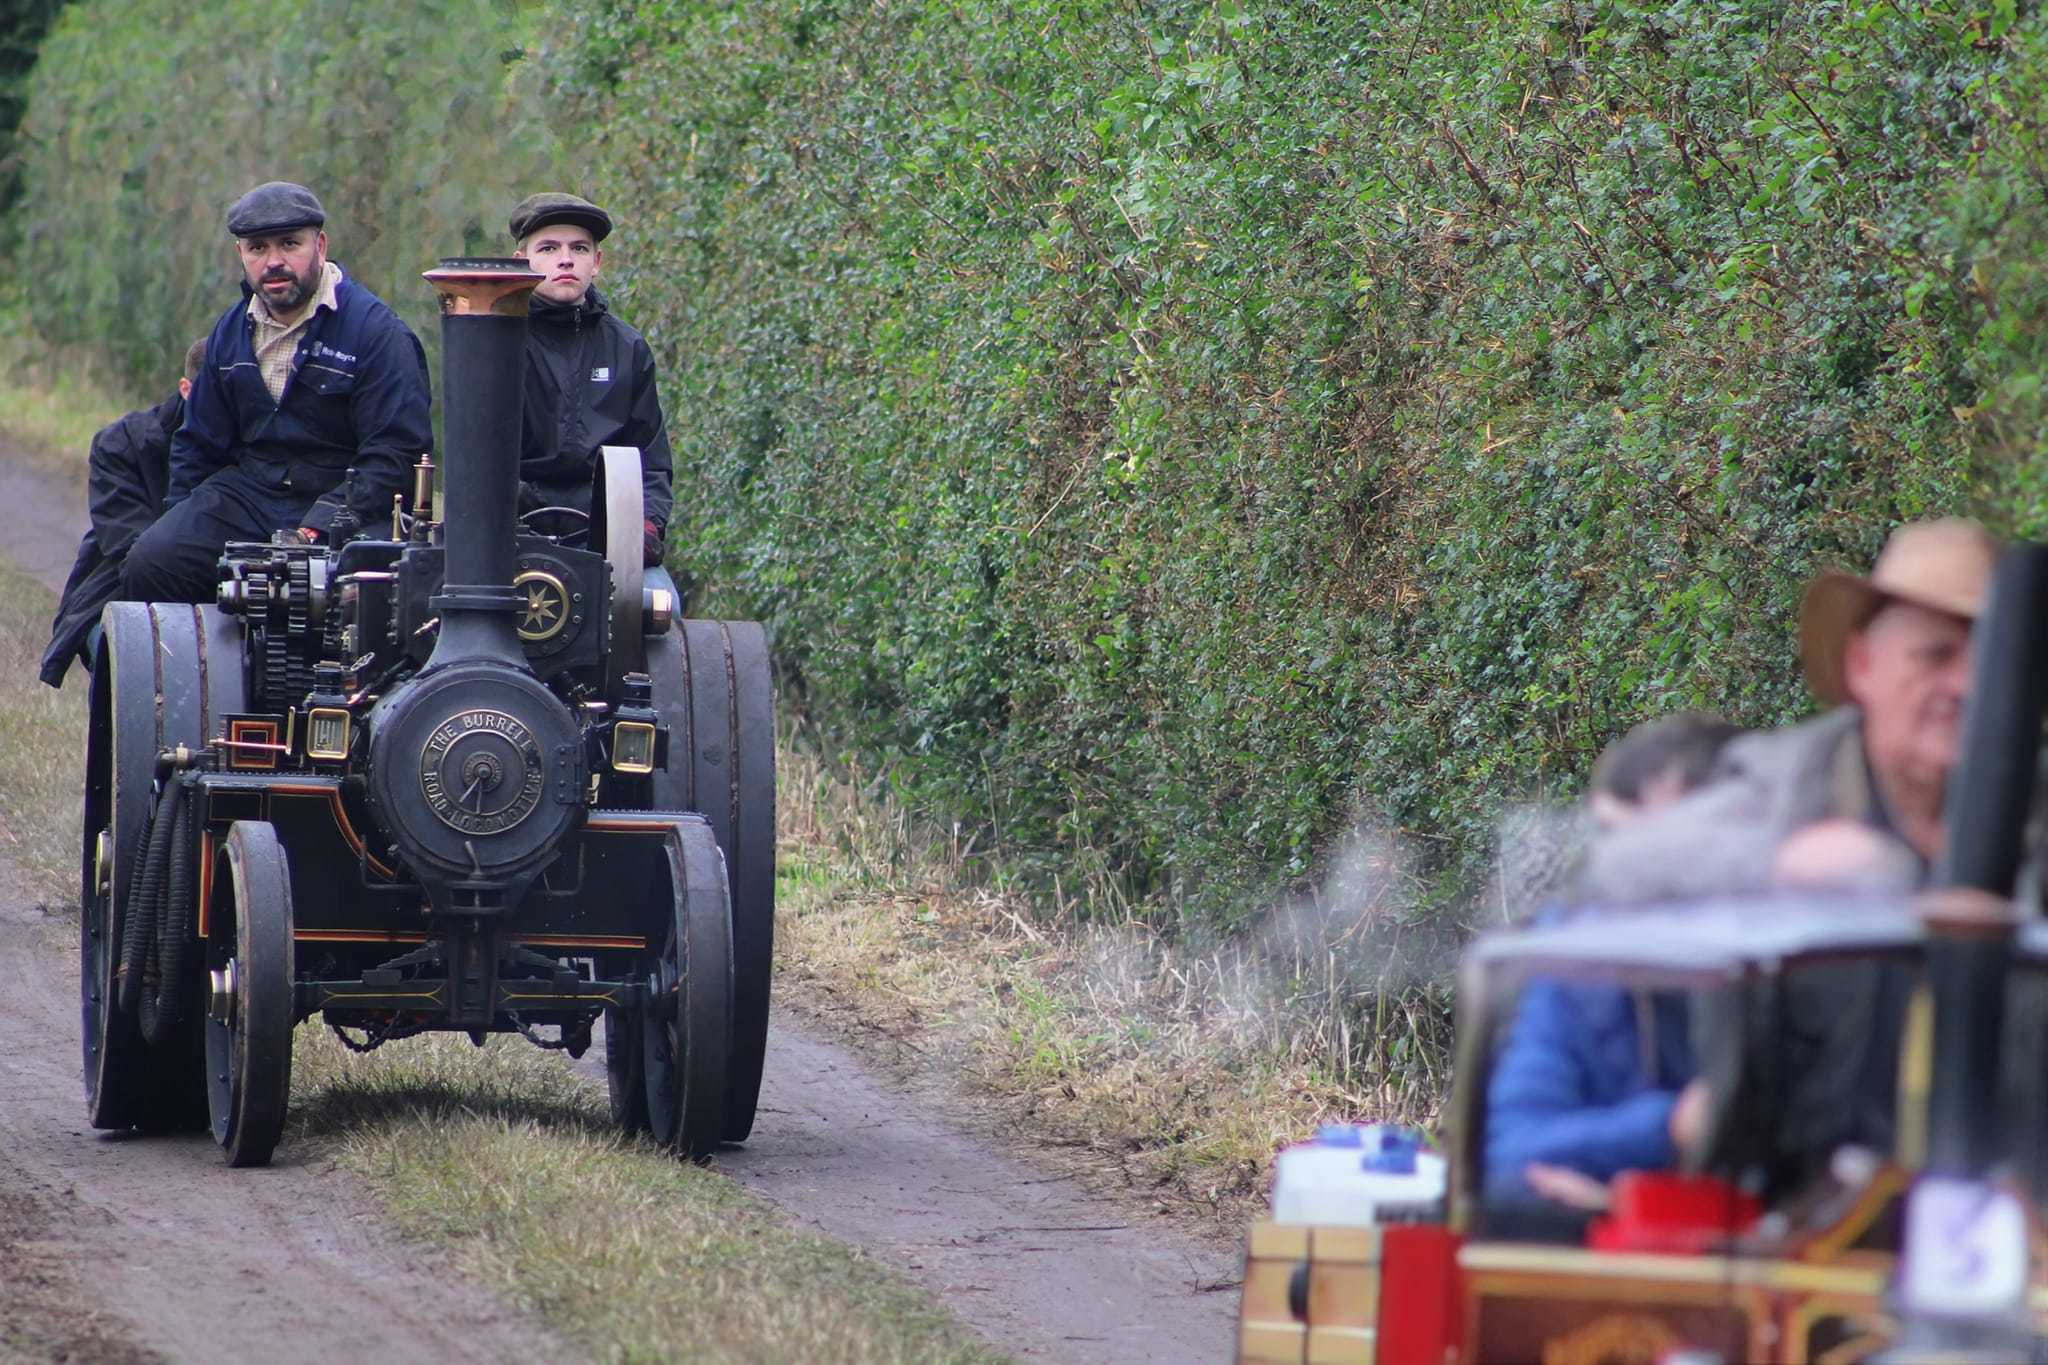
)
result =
(1595, 1080)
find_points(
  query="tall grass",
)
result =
(42, 740)
(1187, 1060)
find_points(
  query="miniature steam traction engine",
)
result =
(1922, 1238)
(454, 776)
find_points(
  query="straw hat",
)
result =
(1944, 565)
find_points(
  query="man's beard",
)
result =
(292, 298)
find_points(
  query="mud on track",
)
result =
(177, 1254)
(151, 1245)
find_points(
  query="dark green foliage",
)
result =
(22, 26)
(419, 126)
(1171, 431)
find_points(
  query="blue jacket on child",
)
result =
(1586, 1080)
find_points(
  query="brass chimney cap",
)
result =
(483, 284)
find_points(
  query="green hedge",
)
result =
(418, 125)
(22, 26)
(1169, 432)
(1173, 430)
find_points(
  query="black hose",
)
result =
(144, 894)
(163, 996)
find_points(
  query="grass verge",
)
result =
(42, 736)
(1186, 1065)
(508, 1158)
(55, 399)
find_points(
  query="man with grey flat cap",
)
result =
(589, 376)
(307, 377)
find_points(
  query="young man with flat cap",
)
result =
(309, 376)
(589, 376)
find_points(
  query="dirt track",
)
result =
(197, 1261)
(153, 1243)
(1016, 1248)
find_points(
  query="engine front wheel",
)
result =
(686, 1032)
(249, 1015)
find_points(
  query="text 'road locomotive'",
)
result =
(469, 777)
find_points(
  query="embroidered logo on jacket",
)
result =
(601, 374)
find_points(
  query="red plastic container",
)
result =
(1663, 1211)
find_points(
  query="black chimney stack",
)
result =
(1990, 796)
(476, 771)
(483, 362)
(1971, 922)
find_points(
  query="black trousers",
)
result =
(177, 559)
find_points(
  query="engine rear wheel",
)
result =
(686, 1031)
(250, 1009)
(163, 675)
(713, 686)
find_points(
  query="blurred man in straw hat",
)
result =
(1890, 653)
(1853, 792)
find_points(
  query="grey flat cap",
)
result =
(536, 211)
(273, 207)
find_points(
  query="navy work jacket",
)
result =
(356, 398)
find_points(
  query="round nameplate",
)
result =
(543, 605)
(481, 771)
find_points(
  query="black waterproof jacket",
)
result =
(130, 467)
(589, 383)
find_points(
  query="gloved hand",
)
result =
(651, 544)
